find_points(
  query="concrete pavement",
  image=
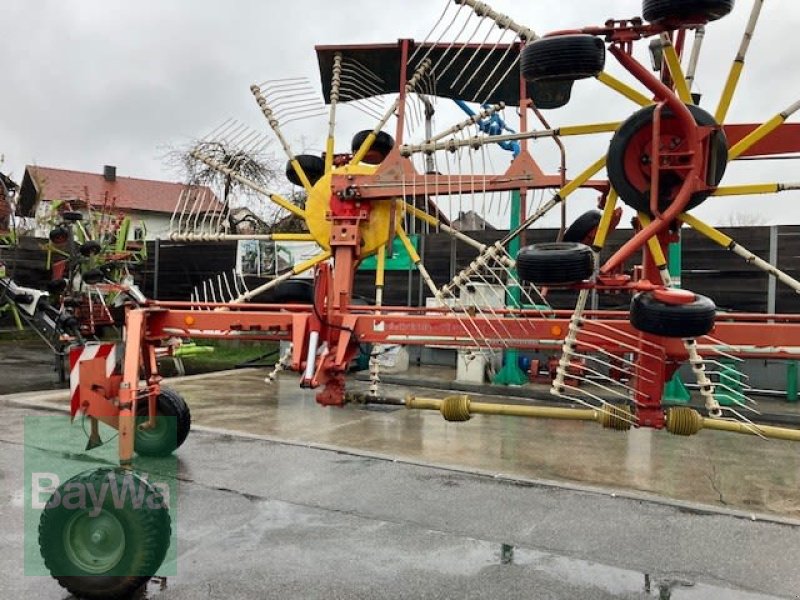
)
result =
(296, 501)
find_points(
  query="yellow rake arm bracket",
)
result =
(728, 91)
(421, 214)
(302, 175)
(710, 232)
(589, 129)
(748, 190)
(624, 89)
(652, 244)
(762, 131)
(576, 183)
(605, 222)
(286, 204)
(412, 252)
(675, 70)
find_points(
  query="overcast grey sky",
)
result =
(93, 82)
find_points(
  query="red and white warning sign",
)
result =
(79, 354)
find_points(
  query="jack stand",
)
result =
(510, 373)
(676, 392)
(94, 436)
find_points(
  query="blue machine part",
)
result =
(493, 125)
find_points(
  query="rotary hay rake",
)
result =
(663, 161)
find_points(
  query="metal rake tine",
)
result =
(736, 397)
(601, 408)
(607, 389)
(230, 134)
(193, 213)
(605, 377)
(305, 115)
(223, 297)
(716, 363)
(204, 209)
(494, 313)
(359, 88)
(366, 87)
(453, 43)
(184, 215)
(621, 359)
(228, 288)
(720, 352)
(628, 347)
(489, 321)
(483, 63)
(359, 105)
(216, 131)
(368, 73)
(281, 80)
(272, 89)
(235, 276)
(471, 59)
(298, 107)
(432, 46)
(181, 197)
(513, 66)
(447, 5)
(740, 418)
(464, 46)
(623, 333)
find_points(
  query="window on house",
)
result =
(138, 234)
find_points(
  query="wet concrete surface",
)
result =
(721, 469)
(27, 365)
(262, 519)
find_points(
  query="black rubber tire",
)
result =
(178, 420)
(56, 287)
(72, 216)
(640, 199)
(685, 10)
(59, 235)
(380, 149)
(293, 291)
(90, 248)
(146, 527)
(556, 263)
(93, 276)
(312, 165)
(547, 95)
(563, 58)
(583, 226)
(672, 320)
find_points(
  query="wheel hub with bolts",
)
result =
(631, 168)
(94, 543)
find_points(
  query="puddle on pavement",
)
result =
(615, 580)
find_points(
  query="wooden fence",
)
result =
(174, 269)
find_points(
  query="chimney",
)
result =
(110, 173)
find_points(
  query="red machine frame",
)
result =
(343, 326)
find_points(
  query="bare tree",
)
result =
(259, 166)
